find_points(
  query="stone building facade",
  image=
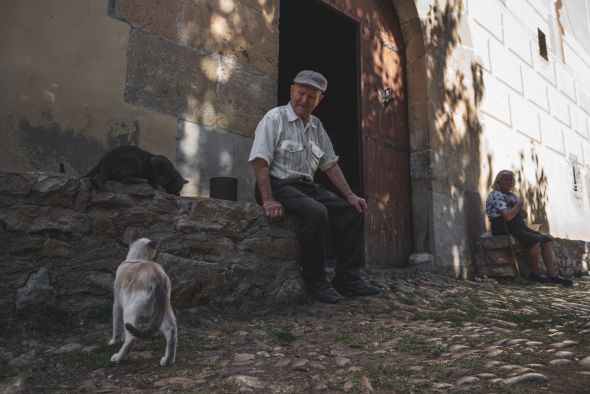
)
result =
(475, 86)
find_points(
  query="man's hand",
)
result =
(359, 203)
(273, 210)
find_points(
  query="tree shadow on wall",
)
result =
(210, 65)
(456, 138)
(533, 192)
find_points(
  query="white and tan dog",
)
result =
(142, 301)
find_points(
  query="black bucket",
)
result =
(224, 188)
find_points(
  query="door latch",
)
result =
(386, 96)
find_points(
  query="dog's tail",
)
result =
(160, 296)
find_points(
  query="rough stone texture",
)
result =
(206, 152)
(244, 30)
(36, 292)
(203, 87)
(494, 257)
(423, 333)
(63, 240)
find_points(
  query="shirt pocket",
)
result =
(291, 146)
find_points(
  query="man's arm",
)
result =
(272, 208)
(337, 178)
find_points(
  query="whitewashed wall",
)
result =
(534, 111)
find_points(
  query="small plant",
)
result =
(353, 341)
(280, 336)
(389, 377)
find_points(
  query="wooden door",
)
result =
(384, 140)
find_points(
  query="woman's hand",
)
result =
(510, 201)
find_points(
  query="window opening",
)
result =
(542, 44)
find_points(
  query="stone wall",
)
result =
(62, 241)
(494, 257)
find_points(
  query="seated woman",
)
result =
(506, 214)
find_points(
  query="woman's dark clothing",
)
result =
(519, 230)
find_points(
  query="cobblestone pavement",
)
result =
(424, 333)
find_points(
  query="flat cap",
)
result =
(313, 79)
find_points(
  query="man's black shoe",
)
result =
(354, 286)
(322, 292)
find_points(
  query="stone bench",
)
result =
(62, 241)
(494, 256)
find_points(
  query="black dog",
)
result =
(130, 164)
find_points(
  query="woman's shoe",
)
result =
(541, 278)
(562, 281)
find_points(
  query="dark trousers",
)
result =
(325, 216)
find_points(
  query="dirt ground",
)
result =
(423, 333)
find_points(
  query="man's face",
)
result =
(304, 99)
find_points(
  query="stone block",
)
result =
(206, 152)
(245, 32)
(535, 88)
(170, 79)
(579, 121)
(574, 145)
(31, 219)
(421, 165)
(412, 31)
(495, 101)
(545, 68)
(489, 15)
(552, 133)
(245, 95)
(528, 16)
(490, 242)
(421, 262)
(583, 96)
(418, 123)
(480, 39)
(37, 292)
(235, 30)
(422, 207)
(518, 39)
(506, 66)
(16, 184)
(54, 248)
(559, 106)
(565, 81)
(526, 119)
(153, 16)
(202, 87)
(449, 233)
(215, 251)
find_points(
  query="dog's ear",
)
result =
(134, 236)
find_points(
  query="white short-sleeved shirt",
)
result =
(292, 149)
(496, 202)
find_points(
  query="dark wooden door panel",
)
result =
(386, 171)
(384, 137)
(388, 224)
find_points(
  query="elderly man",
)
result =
(289, 145)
